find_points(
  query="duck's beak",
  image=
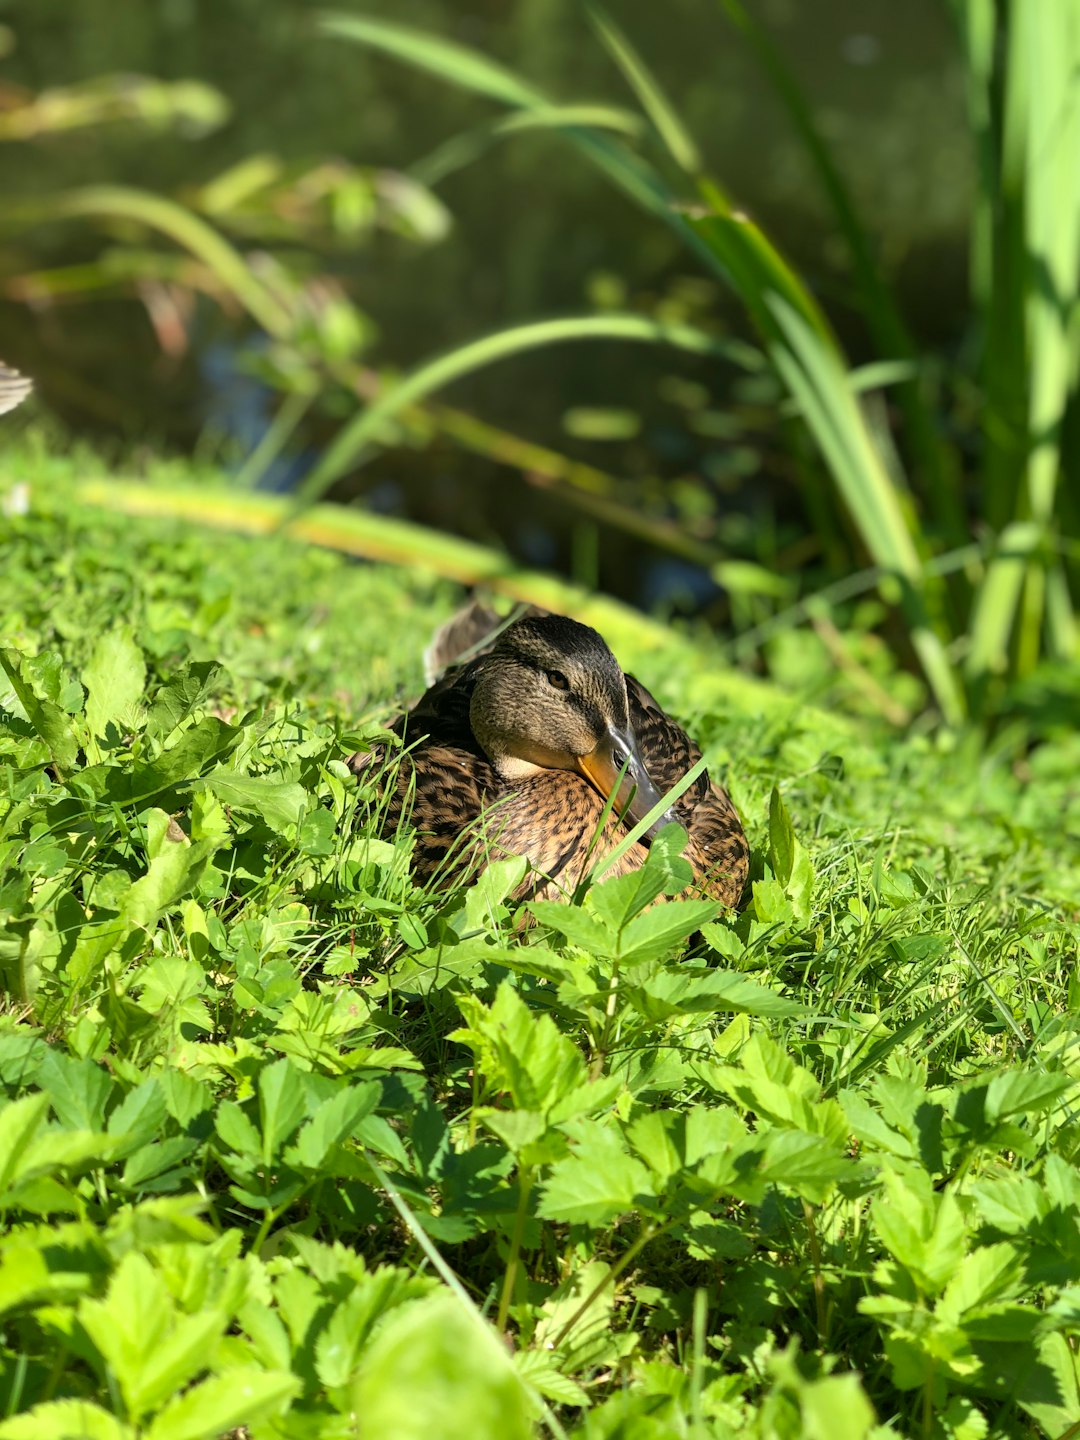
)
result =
(616, 764)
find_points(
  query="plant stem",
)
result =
(525, 1181)
(819, 1278)
(609, 1014)
(649, 1233)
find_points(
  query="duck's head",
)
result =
(551, 696)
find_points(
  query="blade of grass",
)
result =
(816, 376)
(117, 202)
(461, 150)
(634, 835)
(350, 445)
(680, 143)
(1032, 356)
(437, 54)
(878, 305)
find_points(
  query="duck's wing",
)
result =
(440, 783)
(14, 388)
(718, 850)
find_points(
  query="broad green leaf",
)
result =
(987, 1275)
(65, 1420)
(170, 873)
(19, 1122)
(139, 1117)
(1024, 1092)
(430, 1365)
(924, 1231)
(114, 678)
(836, 1407)
(583, 929)
(658, 933)
(176, 701)
(520, 1052)
(808, 1165)
(343, 1340)
(599, 1182)
(151, 1161)
(208, 739)
(335, 1120)
(78, 1090)
(48, 719)
(1049, 1388)
(782, 840)
(281, 803)
(240, 1397)
(682, 992)
(36, 1271)
(237, 1131)
(281, 1105)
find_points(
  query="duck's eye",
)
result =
(557, 680)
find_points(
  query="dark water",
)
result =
(536, 232)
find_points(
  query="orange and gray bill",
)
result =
(617, 762)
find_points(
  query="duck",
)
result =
(526, 731)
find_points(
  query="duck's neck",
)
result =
(514, 768)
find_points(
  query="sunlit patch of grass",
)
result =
(254, 1072)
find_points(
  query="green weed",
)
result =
(291, 1145)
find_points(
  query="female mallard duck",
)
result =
(517, 750)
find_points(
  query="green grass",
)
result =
(291, 1145)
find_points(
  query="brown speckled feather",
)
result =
(718, 851)
(465, 814)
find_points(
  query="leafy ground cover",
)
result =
(291, 1146)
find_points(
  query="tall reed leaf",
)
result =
(351, 444)
(1033, 353)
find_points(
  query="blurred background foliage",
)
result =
(229, 227)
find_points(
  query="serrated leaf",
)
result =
(47, 719)
(176, 701)
(598, 1184)
(139, 1117)
(520, 1052)
(335, 1120)
(682, 992)
(281, 1105)
(237, 1131)
(922, 1230)
(78, 1089)
(805, 1164)
(281, 803)
(243, 1396)
(659, 932)
(1024, 1092)
(583, 929)
(19, 1122)
(65, 1420)
(114, 678)
(431, 1365)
